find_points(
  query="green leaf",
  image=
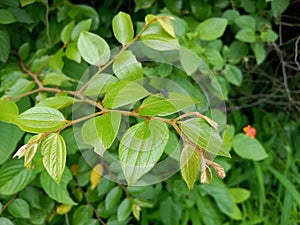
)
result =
(189, 60)
(72, 52)
(211, 29)
(4, 45)
(123, 28)
(170, 212)
(19, 208)
(239, 195)
(14, 177)
(55, 78)
(189, 165)
(24, 50)
(157, 38)
(40, 119)
(142, 4)
(203, 135)
(6, 17)
(5, 221)
(80, 27)
(290, 187)
(53, 150)
(141, 147)
(237, 50)
(56, 62)
(124, 93)
(99, 84)
(57, 102)
(214, 57)
(26, 2)
(259, 51)
(66, 32)
(201, 9)
(166, 24)
(268, 36)
(83, 11)
(233, 74)
(10, 135)
(113, 197)
(126, 67)
(248, 148)
(93, 49)
(58, 192)
(8, 111)
(160, 105)
(246, 35)
(124, 210)
(231, 15)
(279, 6)
(20, 87)
(21, 15)
(245, 21)
(218, 190)
(101, 131)
(82, 214)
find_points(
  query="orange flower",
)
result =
(250, 131)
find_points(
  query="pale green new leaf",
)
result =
(84, 25)
(166, 24)
(99, 84)
(211, 29)
(53, 150)
(58, 192)
(189, 165)
(14, 177)
(160, 105)
(189, 60)
(57, 102)
(203, 135)
(157, 38)
(40, 119)
(8, 111)
(126, 67)
(239, 195)
(248, 148)
(123, 28)
(101, 131)
(93, 49)
(66, 32)
(141, 147)
(124, 93)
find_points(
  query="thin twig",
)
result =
(296, 52)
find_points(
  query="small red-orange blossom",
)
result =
(250, 131)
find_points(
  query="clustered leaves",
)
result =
(143, 144)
